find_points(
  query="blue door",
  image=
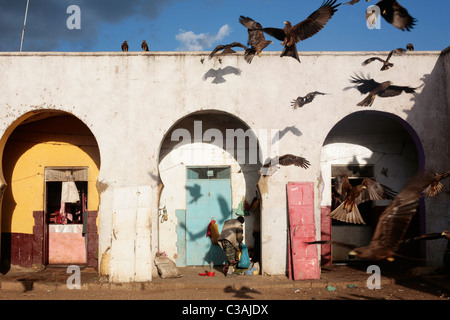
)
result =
(208, 197)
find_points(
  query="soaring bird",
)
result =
(393, 13)
(284, 160)
(436, 185)
(301, 101)
(351, 197)
(226, 49)
(392, 224)
(144, 45)
(386, 64)
(396, 15)
(385, 89)
(125, 46)
(291, 35)
(256, 39)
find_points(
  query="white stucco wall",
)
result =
(130, 101)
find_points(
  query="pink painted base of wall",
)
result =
(66, 248)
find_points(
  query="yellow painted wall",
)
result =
(61, 141)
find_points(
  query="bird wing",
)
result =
(255, 30)
(310, 96)
(395, 51)
(352, 2)
(290, 159)
(215, 50)
(396, 15)
(444, 175)
(238, 44)
(342, 186)
(275, 32)
(364, 85)
(435, 187)
(393, 91)
(316, 21)
(374, 191)
(395, 219)
(367, 61)
(338, 243)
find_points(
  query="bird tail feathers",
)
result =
(341, 214)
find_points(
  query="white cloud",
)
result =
(198, 42)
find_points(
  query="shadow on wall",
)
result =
(218, 75)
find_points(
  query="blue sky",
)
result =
(200, 25)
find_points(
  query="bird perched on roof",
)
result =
(256, 38)
(226, 49)
(436, 186)
(351, 196)
(410, 47)
(386, 64)
(144, 45)
(384, 89)
(301, 101)
(125, 46)
(284, 160)
(291, 35)
(392, 224)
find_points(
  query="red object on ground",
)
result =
(303, 258)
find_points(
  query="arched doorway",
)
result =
(50, 164)
(208, 163)
(370, 144)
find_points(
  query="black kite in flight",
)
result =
(352, 196)
(291, 35)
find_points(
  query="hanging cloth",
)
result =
(69, 192)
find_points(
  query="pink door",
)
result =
(303, 258)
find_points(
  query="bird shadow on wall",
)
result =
(218, 75)
(195, 192)
(215, 253)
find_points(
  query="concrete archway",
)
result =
(206, 139)
(368, 144)
(36, 149)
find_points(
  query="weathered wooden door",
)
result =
(208, 197)
(303, 258)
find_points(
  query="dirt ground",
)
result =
(336, 283)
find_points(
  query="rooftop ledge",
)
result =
(205, 53)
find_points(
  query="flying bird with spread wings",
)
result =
(301, 101)
(144, 45)
(284, 160)
(374, 89)
(256, 38)
(291, 35)
(351, 196)
(226, 49)
(392, 224)
(393, 13)
(386, 64)
(396, 15)
(436, 186)
(125, 46)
